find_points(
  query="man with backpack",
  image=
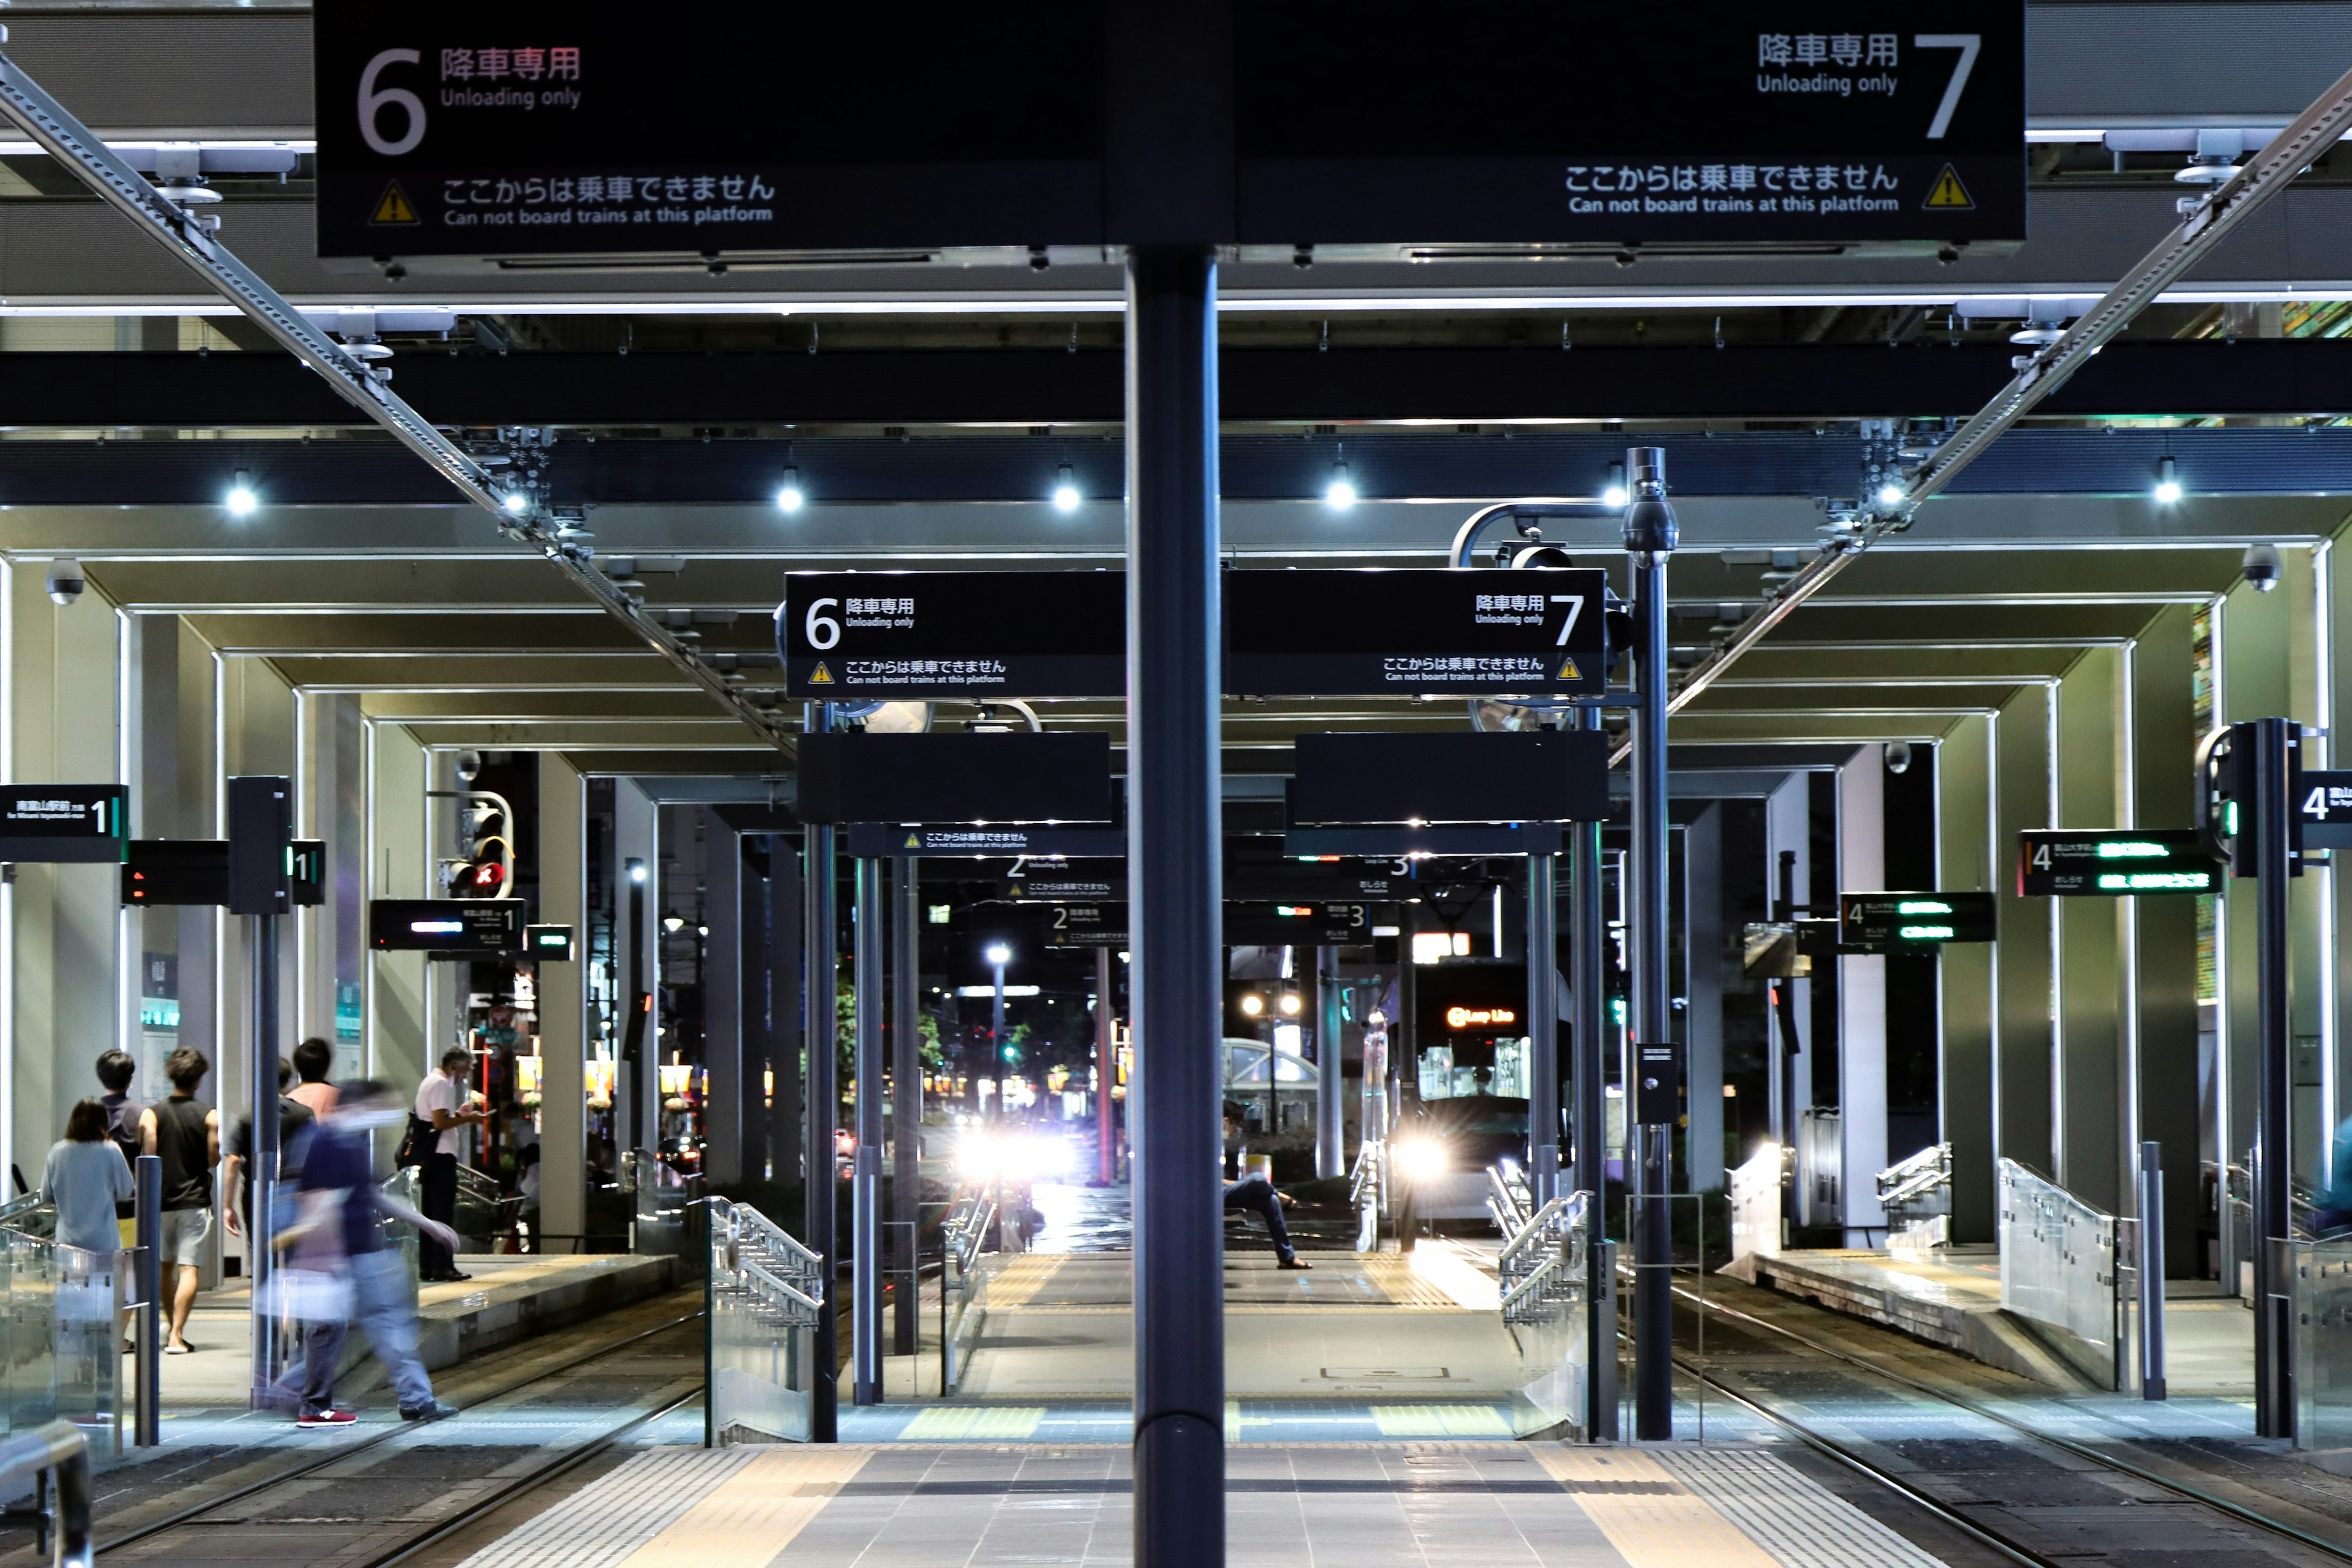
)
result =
(115, 1071)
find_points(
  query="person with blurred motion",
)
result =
(443, 1102)
(186, 1137)
(115, 1071)
(294, 1125)
(340, 1265)
(313, 1060)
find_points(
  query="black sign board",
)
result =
(1358, 633)
(1058, 776)
(471, 927)
(1658, 1084)
(1912, 923)
(1087, 925)
(195, 872)
(526, 126)
(521, 126)
(2323, 809)
(1298, 924)
(1727, 122)
(880, 840)
(1475, 1000)
(1059, 887)
(868, 635)
(2067, 864)
(1467, 776)
(550, 944)
(260, 845)
(65, 823)
(1533, 838)
(1361, 881)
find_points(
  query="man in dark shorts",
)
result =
(186, 1136)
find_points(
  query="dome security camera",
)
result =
(469, 766)
(2261, 567)
(64, 582)
(1898, 756)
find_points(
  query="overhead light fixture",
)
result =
(515, 503)
(999, 954)
(1614, 493)
(1891, 495)
(672, 923)
(637, 871)
(1340, 493)
(2167, 481)
(788, 494)
(1253, 1005)
(1065, 490)
(240, 500)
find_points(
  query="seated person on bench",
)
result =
(1257, 1193)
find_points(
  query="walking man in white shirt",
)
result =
(443, 1102)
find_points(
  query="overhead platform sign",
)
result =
(2063, 864)
(867, 635)
(1912, 923)
(504, 126)
(63, 823)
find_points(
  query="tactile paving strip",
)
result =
(606, 1523)
(1793, 1516)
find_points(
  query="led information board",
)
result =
(863, 635)
(880, 840)
(2323, 809)
(71, 824)
(2061, 864)
(456, 926)
(1912, 923)
(195, 872)
(523, 126)
(1297, 924)
(1363, 633)
(551, 944)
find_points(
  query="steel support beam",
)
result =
(1543, 1027)
(1649, 539)
(819, 1030)
(905, 1094)
(865, 1180)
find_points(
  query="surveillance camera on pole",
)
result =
(2263, 567)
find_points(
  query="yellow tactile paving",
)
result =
(951, 1422)
(1652, 1521)
(1019, 1279)
(1393, 1273)
(750, 1518)
(1440, 1421)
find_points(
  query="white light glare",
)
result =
(1340, 493)
(240, 500)
(515, 503)
(788, 494)
(2168, 482)
(1613, 493)
(999, 954)
(1065, 490)
(1890, 494)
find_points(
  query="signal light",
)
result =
(240, 500)
(1340, 493)
(788, 494)
(2168, 482)
(1065, 490)
(1614, 492)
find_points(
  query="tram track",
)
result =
(1847, 1455)
(631, 1416)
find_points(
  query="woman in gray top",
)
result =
(87, 1177)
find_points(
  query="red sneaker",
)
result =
(327, 1418)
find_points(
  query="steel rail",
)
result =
(2238, 1512)
(342, 1451)
(2204, 225)
(90, 160)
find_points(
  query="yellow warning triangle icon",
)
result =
(392, 206)
(823, 676)
(1568, 670)
(914, 841)
(1947, 192)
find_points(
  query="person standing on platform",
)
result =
(442, 1101)
(313, 1060)
(86, 1178)
(340, 1265)
(115, 1071)
(186, 1137)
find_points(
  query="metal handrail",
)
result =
(1536, 1276)
(1907, 1180)
(1535, 1229)
(1507, 1200)
(59, 1446)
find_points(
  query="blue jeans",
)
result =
(380, 1303)
(1257, 1193)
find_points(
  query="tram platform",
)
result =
(510, 1298)
(1952, 1299)
(1373, 1506)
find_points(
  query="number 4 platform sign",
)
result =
(2323, 809)
(2064, 864)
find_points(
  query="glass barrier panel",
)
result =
(2320, 1273)
(2058, 1269)
(1757, 1189)
(969, 1256)
(1545, 1296)
(32, 1330)
(765, 1295)
(89, 1295)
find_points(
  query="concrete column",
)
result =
(64, 983)
(1703, 995)
(2163, 947)
(563, 1001)
(1861, 999)
(636, 832)
(2090, 1076)
(1967, 860)
(396, 1029)
(2025, 984)
(722, 1000)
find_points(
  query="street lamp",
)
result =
(998, 955)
